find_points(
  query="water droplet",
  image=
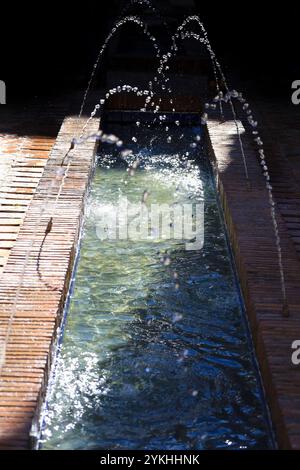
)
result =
(60, 171)
(204, 118)
(145, 196)
(126, 153)
(111, 138)
(176, 317)
(167, 261)
(135, 164)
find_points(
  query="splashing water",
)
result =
(155, 352)
(229, 96)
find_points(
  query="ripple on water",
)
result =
(143, 364)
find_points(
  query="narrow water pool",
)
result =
(155, 352)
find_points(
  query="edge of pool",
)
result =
(42, 305)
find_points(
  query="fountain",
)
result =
(227, 98)
(91, 392)
(150, 327)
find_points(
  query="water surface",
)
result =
(151, 359)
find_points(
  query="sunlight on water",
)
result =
(155, 354)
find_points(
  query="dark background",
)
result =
(49, 48)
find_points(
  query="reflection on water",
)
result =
(155, 355)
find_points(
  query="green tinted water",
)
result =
(155, 353)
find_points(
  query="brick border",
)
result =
(247, 216)
(32, 300)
